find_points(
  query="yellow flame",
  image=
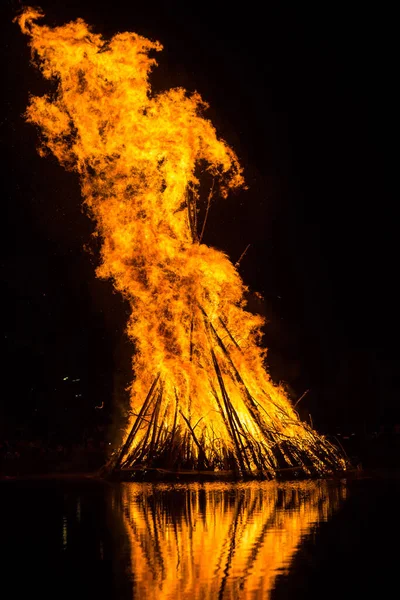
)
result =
(219, 541)
(212, 403)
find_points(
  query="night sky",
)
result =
(306, 98)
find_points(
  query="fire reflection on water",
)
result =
(220, 541)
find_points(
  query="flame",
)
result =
(201, 396)
(218, 540)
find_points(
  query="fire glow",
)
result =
(218, 540)
(201, 397)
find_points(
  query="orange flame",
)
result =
(211, 403)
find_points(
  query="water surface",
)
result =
(197, 541)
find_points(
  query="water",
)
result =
(96, 540)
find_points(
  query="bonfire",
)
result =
(201, 397)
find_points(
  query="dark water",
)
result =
(200, 541)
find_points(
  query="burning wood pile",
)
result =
(201, 398)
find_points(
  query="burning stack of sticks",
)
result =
(201, 398)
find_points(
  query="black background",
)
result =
(306, 97)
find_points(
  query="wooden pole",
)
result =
(136, 424)
(225, 398)
(201, 450)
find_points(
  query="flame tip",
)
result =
(26, 16)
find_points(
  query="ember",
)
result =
(201, 397)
